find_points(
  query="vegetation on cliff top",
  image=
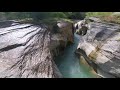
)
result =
(49, 17)
(112, 17)
(41, 17)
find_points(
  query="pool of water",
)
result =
(69, 64)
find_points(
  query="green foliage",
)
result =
(98, 14)
(58, 15)
(2, 16)
(35, 15)
(38, 17)
(112, 17)
(41, 15)
(76, 15)
(16, 15)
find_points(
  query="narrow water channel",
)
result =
(69, 64)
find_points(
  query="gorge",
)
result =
(30, 50)
(70, 65)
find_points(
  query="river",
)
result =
(69, 64)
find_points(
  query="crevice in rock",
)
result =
(9, 47)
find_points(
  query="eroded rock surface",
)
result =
(28, 51)
(102, 45)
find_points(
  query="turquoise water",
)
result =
(70, 66)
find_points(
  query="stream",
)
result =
(69, 64)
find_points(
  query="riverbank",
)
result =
(101, 46)
(69, 64)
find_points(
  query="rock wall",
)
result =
(102, 46)
(27, 50)
(60, 40)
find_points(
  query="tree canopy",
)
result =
(40, 15)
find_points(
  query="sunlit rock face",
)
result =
(102, 45)
(28, 50)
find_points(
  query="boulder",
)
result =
(28, 50)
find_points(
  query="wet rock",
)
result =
(26, 50)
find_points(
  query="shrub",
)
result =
(98, 14)
(58, 15)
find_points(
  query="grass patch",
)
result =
(110, 17)
(98, 14)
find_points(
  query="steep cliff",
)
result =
(28, 50)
